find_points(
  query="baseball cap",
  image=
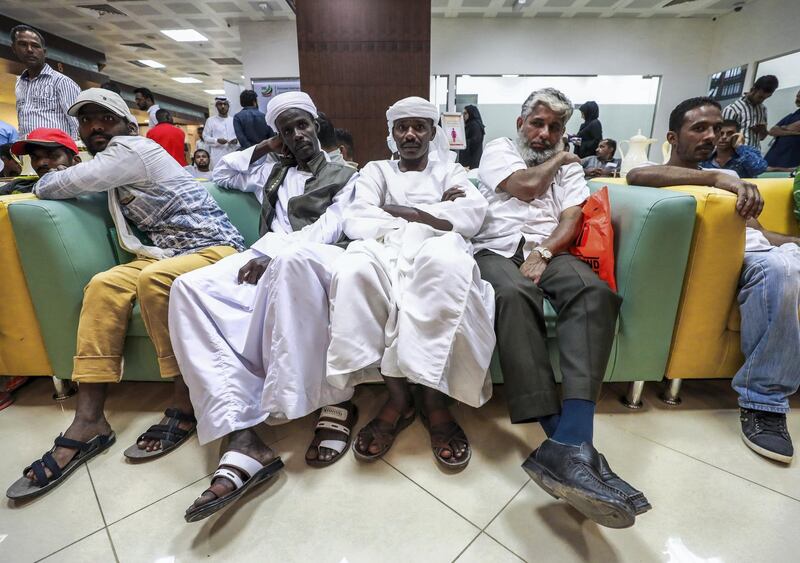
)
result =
(107, 99)
(44, 137)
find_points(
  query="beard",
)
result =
(533, 157)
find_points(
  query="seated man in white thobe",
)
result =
(407, 297)
(251, 334)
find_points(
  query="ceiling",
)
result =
(139, 21)
(582, 8)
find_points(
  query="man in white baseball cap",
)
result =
(143, 183)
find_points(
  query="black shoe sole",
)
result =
(611, 514)
(769, 454)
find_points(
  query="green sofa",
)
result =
(62, 244)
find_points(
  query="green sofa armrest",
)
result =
(62, 244)
(653, 233)
(242, 209)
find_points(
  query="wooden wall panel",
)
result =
(357, 57)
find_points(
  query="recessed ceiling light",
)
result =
(214, 92)
(151, 63)
(186, 80)
(184, 34)
(511, 76)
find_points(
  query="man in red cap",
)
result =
(49, 149)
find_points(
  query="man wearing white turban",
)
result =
(407, 301)
(219, 134)
(251, 333)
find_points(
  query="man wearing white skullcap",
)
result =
(251, 333)
(407, 301)
(218, 133)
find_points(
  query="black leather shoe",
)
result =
(635, 497)
(572, 473)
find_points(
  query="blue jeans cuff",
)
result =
(762, 407)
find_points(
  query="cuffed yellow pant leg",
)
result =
(107, 302)
(153, 293)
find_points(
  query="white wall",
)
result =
(269, 50)
(668, 47)
(683, 51)
(763, 29)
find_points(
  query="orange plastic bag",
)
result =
(595, 242)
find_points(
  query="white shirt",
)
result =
(151, 115)
(199, 174)
(509, 219)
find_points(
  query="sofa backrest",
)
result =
(242, 208)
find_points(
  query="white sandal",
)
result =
(335, 413)
(256, 472)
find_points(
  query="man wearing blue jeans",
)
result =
(769, 284)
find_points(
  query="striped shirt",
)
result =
(43, 102)
(747, 115)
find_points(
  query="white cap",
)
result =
(107, 99)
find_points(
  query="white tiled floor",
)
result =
(714, 500)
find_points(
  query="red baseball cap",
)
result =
(44, 137)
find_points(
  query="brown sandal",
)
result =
(448, 436)
(381, 433)
(338, 419)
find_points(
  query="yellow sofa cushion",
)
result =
(778, 214)
(703, 343)
(22, 350)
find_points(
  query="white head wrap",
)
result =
(415, 106)
(289, 100)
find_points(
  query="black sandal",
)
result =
(448, 436)
(168, 434)
(25, 488)
(381, 433)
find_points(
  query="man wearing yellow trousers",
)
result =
(187, 229)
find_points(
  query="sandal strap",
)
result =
(176, 414)
(63, 442)
(336, 445)
(38, 472)
(444, 435)
(378, 434)
(52, 465)
(336, 413)
(167, 433)
(324, 424)
(244, 463)
(229, 474)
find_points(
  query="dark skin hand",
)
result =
(775, 239)
(253, 270)
(569, 224)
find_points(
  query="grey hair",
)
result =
(554, 99)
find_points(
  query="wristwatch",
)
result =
(544, 252)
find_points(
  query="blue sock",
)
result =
(577, 422)
(549, 423)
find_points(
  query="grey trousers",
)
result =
(587, 315)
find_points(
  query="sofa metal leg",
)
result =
(64, 389)
(671, 394)
(633, 398)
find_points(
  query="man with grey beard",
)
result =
(535, 192)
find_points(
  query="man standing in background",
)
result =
(785, 150)
(145, 102)
(219, 134)
(43, 94)
(168, 136)
(750, 112)
(250, 124)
